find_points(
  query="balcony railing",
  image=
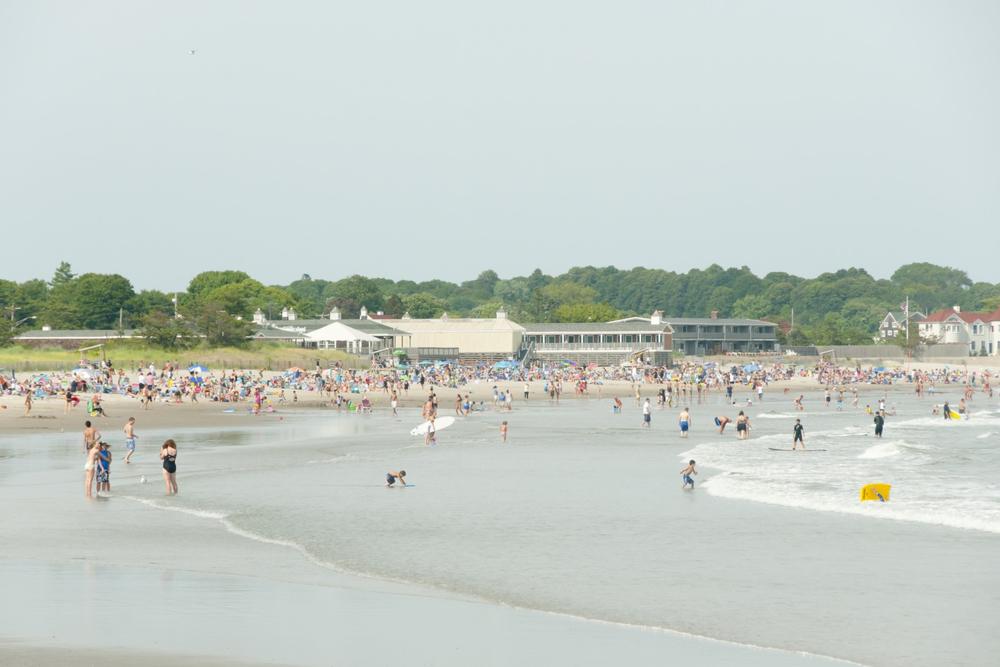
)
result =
(596, 347)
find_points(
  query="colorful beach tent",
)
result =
(197, 368)
(878, 492)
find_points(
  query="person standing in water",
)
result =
(430, 435)
(742, 426)
(687, 472)
(503, 431)
(684, 421)
(130, 436)
(168, 454)
(646, 414)
(797, 431)
(879, 423)
(90, 470)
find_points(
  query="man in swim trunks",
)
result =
(130, 436)
(721, 423)
(646, 414)
(684, 420)
(797, 437)
(392, 476)
(90, 435)
(687, 472)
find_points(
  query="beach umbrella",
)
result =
(295, 369)
(197, 368)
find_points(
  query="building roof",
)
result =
(899, 316)
(965, 316)
(75, 334)
(338, 330)
(640, 326)
(277, 334)
(455, 325)
(720, 320)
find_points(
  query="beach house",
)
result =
(895, 321)
(648, 340)
(979, 330)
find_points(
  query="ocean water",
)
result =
(582, 513)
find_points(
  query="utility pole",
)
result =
(906, 319)
(791, 327)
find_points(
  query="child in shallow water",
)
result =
(687, 472)
(392, 476)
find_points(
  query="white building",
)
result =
(980, 331)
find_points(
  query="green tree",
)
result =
(219, 327)
(90, 301)
(164, 331)
(64, 274)
(150, 301)
(393, 306)
(206, 281)
(423, 305)
(585, 312)
(350, 294)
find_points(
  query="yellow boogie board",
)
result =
(878, 492)
(955, 415)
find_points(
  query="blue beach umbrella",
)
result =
(197, 368)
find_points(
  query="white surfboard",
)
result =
(439, 424)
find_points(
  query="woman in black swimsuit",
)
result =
(168, 454)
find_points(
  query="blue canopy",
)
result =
(197, 368)
(750, 368)
(505, 364)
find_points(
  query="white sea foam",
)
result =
(881, 450)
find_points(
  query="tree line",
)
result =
(842, 307)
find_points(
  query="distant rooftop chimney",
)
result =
(714, 315)
(364, 313)
(501, 313)
(656, 318)
(335, 313)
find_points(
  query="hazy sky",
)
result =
(437, 139)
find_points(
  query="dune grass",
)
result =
(130, 355)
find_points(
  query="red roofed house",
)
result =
(980, 331)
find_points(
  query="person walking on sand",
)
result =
(684, 421)
(686, 474)
(130, 436)
(797, 435)
(27, 403)
(646, 414)
(168, 454)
